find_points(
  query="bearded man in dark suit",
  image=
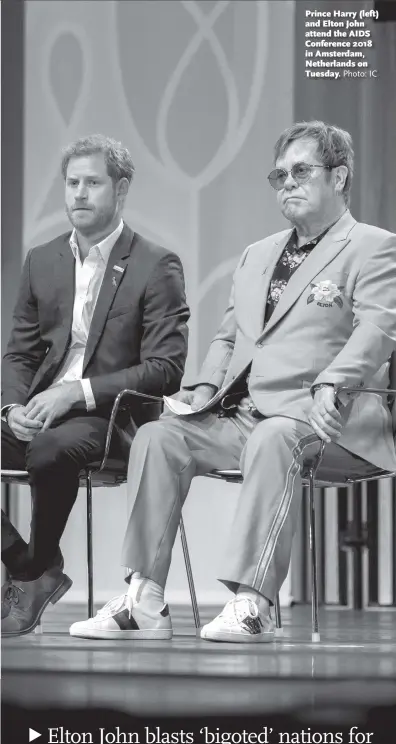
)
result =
(99, 310)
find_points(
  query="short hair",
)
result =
(118, 159)
(334, 146)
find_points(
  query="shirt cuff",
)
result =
(88, 395)
(314, 388)
(5, 410)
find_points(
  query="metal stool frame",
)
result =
(235, 476)
(108, 473)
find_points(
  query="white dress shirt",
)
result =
(88, 281)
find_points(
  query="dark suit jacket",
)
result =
(138, 334)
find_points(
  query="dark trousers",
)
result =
(53, 459)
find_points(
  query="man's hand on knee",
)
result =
(23, 427)
(54, 403)
(325, 420)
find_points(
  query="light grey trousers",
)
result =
(167, 454)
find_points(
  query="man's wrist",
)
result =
(6, 410)
(76, 394)
(315, 388)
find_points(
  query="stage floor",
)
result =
(192, 677)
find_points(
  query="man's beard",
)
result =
(101, 220)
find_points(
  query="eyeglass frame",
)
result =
(290, 173)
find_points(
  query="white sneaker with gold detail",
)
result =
(123, 619)
(240, 622)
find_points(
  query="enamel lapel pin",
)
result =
(120, 270)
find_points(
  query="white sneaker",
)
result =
(240, 622)
(122, 618)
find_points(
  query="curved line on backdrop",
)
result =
(31, 228)
(32, 218)
(226, 153)
(258, 74)
(254, 98)
(204, 32)
(125, 112)
(222, 270)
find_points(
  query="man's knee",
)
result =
(155, 434)
(273, 430)
(6, 447)
(12, 450)
(47, 451)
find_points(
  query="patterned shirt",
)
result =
(291, 258)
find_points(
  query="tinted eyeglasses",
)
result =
(301, 172)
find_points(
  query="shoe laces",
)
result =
(114, 605)
(12, 593)
(238, 609)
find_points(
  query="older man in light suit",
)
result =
(311, 309)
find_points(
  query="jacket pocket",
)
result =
(116, 311)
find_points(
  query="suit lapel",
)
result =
(256, 290)
(111, 282)
(333, 242)
(65, 289)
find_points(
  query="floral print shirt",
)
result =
(291, 258)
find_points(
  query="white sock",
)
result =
(129, 572)
(248, 593)
(147, 592)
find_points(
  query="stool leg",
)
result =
(89, 545)
(7, 511)
(278, 618)
(312, 545)
(189, 575)
(7, 499)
